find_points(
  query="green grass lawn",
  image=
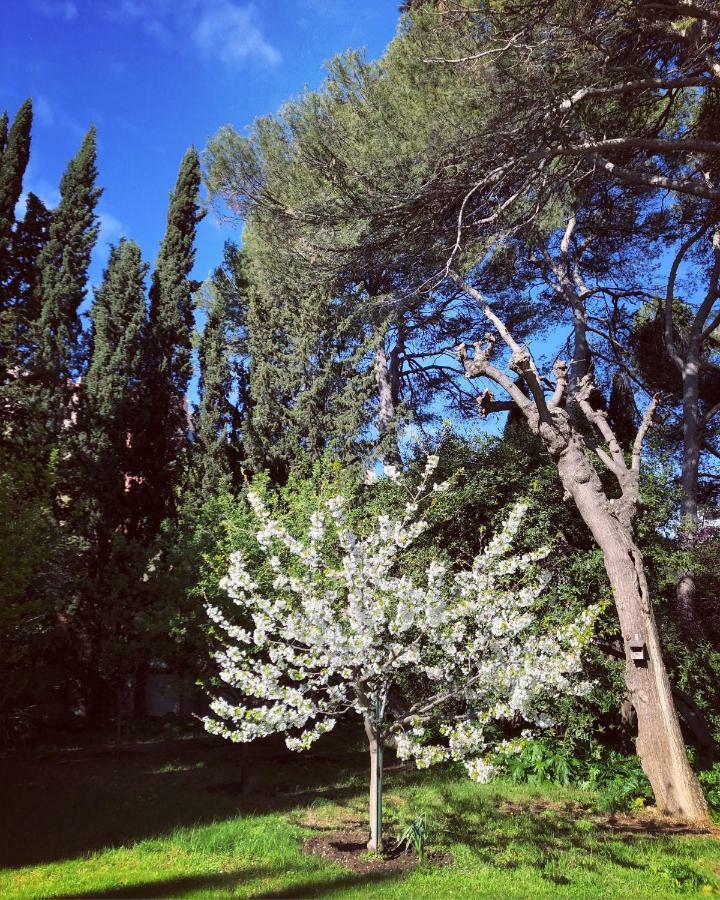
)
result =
(199, 818)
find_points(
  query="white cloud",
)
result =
(57, 9)
(231, 31)
(110, 227)
(225, 29)
(43, 111)
(48, 193)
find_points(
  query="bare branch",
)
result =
(561, 380)
(693, 188)
(670, 293)
(642, 84)
(598, 418)
(493, 51)
(480, 366)
(642, 431)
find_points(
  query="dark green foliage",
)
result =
(113, 391)
(22, 289)
(308, 390)
(223, 384)
(619, 778)
(14, 155)
(622, 413)
(212, 437)
(63, 265)
(40, 577)
(653, 361)
(169, 346)
(13, 162)
(3, 132)
(710, 780)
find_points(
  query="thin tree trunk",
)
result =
(376, 751)
(686, 588)
(660, 745)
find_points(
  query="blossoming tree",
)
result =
(337, 627)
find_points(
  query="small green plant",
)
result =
(414, 836)
(710, 781)
(619, 779)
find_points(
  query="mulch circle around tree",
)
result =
(349, 849)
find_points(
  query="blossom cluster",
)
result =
(341, 627)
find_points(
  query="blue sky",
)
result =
(155, 76)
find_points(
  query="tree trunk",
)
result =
(686, 589)
(660, 745)
(376, 753)
(386, 421)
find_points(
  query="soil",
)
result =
(643, 821)
(349, 849)
(653, 822)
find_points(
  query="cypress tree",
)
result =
(223, 384)
(169, 344)
(106, 484)
(113, 386)
(63, 273)
(13, 163)
(28, 240)
(212, 429)
(3, 133)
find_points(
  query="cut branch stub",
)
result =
(485, 403)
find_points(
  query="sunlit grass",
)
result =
(195, 819)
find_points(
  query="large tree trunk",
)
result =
(660, 745)
(376, 762)
(387, 381)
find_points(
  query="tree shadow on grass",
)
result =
(528, 835)
(180, 886)
(174, 887)
(65, 805)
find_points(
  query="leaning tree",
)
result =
(494, 118)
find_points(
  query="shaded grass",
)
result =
(203, 818)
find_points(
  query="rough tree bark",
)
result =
(387, 380)
(660, 745)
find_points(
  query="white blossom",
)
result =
(392, 472)
(338, 626)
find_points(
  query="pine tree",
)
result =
(13, 162)
(309, 391)
(63, 270)
(169, 344)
